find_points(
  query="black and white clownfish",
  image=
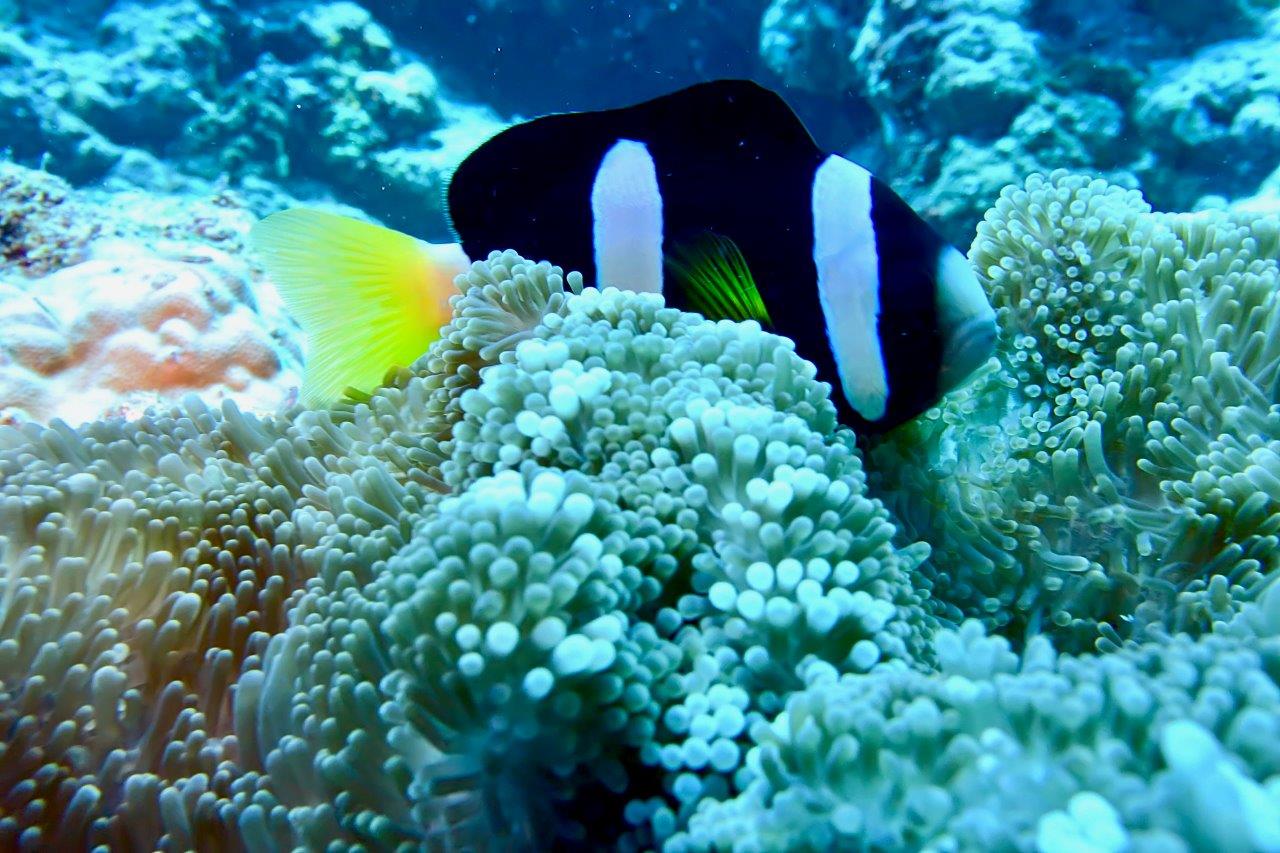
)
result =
(715, 196)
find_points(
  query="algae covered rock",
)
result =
(353, 112)
(322, 103)
(969, 96)
(41, 229)
(1217, 114)
(973, 69)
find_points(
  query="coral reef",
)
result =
(353, 112)
(320, 102)
(109, 304)
(950, 100)
(598, 571)
(40, 229)
(1217, 116)
(76, 111)
(971, 96)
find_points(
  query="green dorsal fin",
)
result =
(716, 280)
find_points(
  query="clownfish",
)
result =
(715, 196)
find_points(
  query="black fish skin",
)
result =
(911, 336)
(732, 158)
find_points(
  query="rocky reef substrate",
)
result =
(113, 302)
(373, 104)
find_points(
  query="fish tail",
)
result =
(367, 297)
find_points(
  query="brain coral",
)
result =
(598, 572)
(132, 323)
(1120, 453)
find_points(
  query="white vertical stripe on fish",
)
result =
(960, 296)
(844, 251)
(626, 212)
(967, 321)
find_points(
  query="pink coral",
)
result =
(132, 325)
(112, 303)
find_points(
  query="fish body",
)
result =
(717, 197)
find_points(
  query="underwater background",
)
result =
(596, 573)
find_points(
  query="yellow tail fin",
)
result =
(369, 298)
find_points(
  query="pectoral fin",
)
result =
(713, 275)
